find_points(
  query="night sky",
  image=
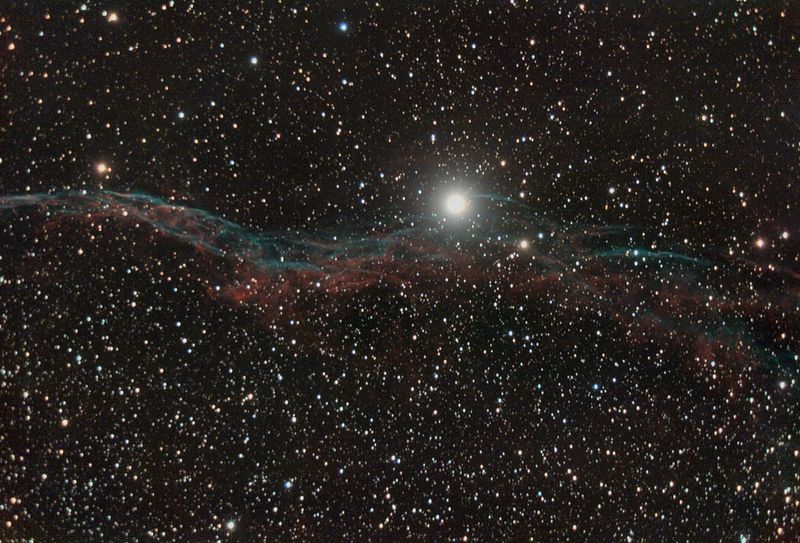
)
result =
(399, 271)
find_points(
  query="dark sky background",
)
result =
(456, 384)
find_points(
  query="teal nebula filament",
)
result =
(595, 268)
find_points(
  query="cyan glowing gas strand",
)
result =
(594, 269)
(421, 238)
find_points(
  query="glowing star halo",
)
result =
(456, 204)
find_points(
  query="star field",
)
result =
(381, 271)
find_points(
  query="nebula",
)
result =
(663, 295)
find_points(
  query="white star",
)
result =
(456, 204)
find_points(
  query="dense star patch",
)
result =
(464, 271)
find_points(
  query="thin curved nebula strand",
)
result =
(659, 294)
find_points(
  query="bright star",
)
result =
(456, 203)
(343, 26)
